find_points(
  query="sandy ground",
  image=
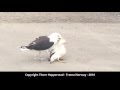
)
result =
(59, 17)
(90, 46)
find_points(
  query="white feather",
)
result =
(59, 50)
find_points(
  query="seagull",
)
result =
(43, 43)
(58, 52)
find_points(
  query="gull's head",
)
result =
(60, 39)
(55, 37)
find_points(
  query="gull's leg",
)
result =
(59, 60)
(40, 57)
(37, 56)
(48, 53)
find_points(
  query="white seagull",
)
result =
(44, 43)
(58, 52)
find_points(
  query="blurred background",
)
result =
(46, 17)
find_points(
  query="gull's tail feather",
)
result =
(23, 48)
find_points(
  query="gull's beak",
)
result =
(63, 41)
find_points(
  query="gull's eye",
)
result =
(59, 39)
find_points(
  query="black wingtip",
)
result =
(23, 47)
